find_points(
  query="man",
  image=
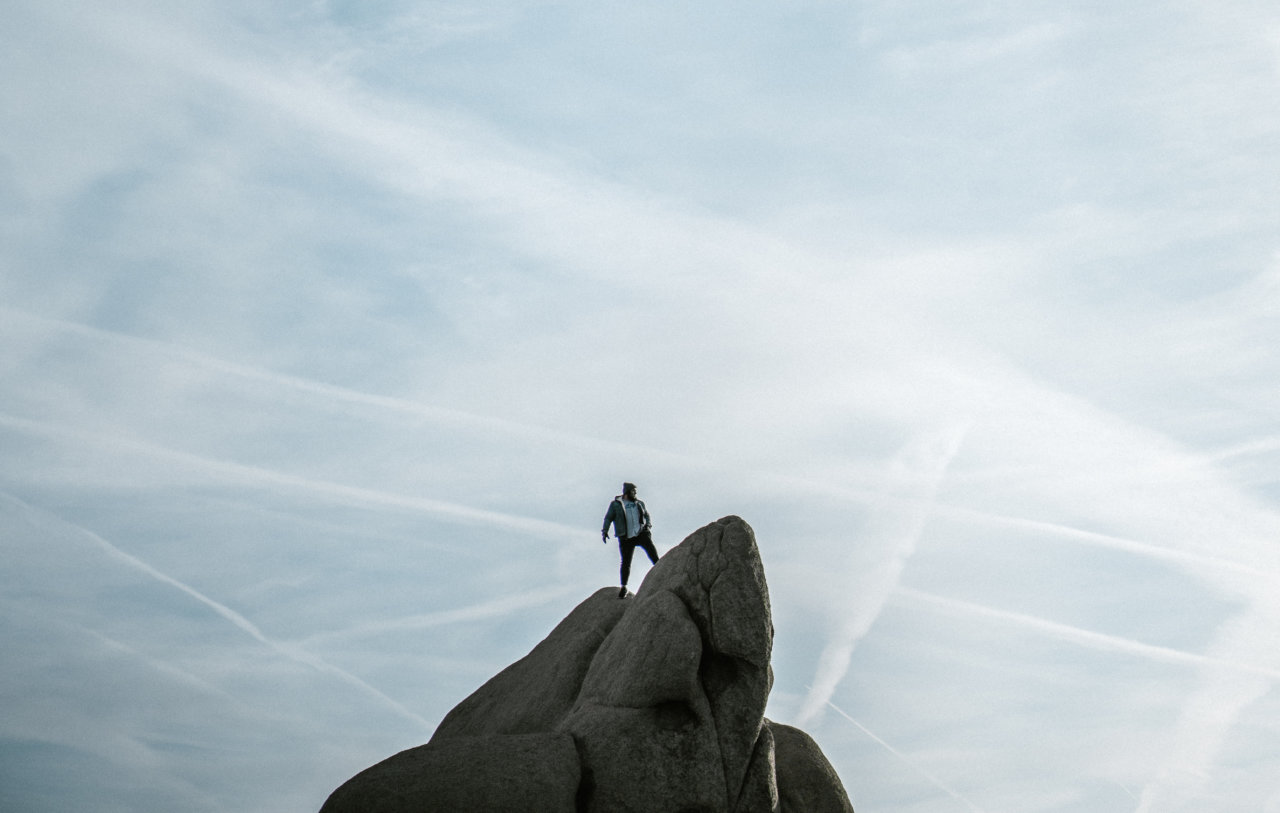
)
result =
(630, 521)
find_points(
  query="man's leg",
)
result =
(645, 541)
(628, 548)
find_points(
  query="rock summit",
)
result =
(653, 703)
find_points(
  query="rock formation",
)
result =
(652, 703)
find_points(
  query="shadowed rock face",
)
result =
(652, 703)
(806, 780)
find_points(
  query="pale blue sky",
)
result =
(328, 330)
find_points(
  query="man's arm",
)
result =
(608, 518)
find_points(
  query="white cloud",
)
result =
(867, 580)
(1217, 706)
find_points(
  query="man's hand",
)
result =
(604, 537)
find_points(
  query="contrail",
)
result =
(168, 669)
(479, 422)
(441, 415)
(1211, 711)
(482, 423)
(923, 462)
(318, 388)
(1247, 449)
(1125, 788)
(1086, 638)
(474, 612)
(938, 783)
(1100, 540)
(246, 474)
(236, 619)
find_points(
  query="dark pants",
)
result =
(628, 547)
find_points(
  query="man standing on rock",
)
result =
(630, 521)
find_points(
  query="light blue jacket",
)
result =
(617, 517)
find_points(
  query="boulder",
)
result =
(538, 691)
(650, 703)
(806, 781)
(526, 773)
(681, 683)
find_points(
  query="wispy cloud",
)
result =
(1217, 705)
(918, 469)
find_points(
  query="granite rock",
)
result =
(650, 703)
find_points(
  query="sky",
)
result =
(329, 329)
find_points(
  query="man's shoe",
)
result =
(622, 593)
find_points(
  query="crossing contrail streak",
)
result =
(1075, 635)
(1100, 540)
(332, 392)
(293, 653)
(475, 612)
(932, 779)
(244, 474)
(866, 493)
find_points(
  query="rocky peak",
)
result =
(650, 703)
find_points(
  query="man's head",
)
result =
(629, 491)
